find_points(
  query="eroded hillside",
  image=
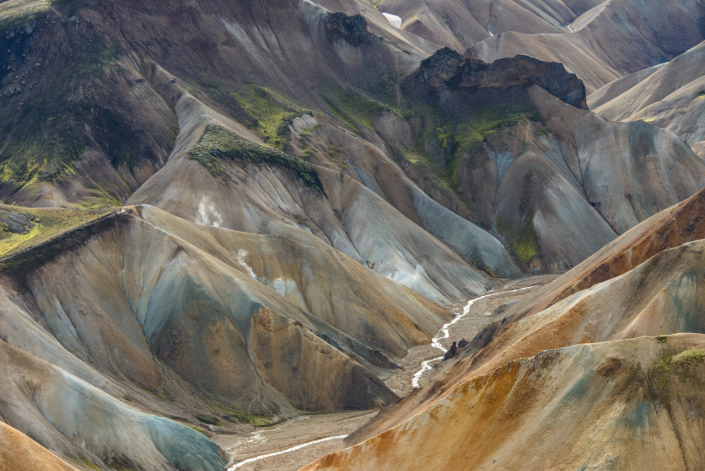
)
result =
(221, 215)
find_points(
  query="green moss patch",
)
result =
(218, 144)
(44, 140)
(689, 357)
(523, 240)
(208, 419)
(13, 13)
(53, 235)
(257, 108)
(47, 223)
(198, 429)
(257, 418)
(542, 131)
(355, 108)
(456, 136)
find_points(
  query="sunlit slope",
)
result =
(21, 453)
(634, 403)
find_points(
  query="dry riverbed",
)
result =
(298, 431)
(270, 448)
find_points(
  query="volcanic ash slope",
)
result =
(633, 404)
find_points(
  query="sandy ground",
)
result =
(308, 428)
(297, 431)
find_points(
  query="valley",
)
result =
(352, 235)
(304, 430)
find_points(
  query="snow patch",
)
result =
(394, 20)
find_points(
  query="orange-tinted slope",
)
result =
(634, 404)
(18, 452)
(677, 225)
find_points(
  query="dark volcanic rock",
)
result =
(350, 28)
(448, 68)
(451, 352)
(463, 343)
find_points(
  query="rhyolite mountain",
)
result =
(225, 212)
(670, 97)
(616, 342)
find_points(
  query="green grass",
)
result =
(218, 144)
(661, 339)
(47, 224)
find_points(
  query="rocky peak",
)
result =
(447, 68)
(441, 67)
(351, 28)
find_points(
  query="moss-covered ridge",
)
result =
(53, 235)
(218, 144)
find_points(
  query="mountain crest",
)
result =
(446, 67)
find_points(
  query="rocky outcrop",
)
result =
(448, 68)
(350, 28)
(451, 352)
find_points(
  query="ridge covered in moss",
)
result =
(218, 144)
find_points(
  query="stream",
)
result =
(444, 333)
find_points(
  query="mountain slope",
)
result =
(671, 98)
(17, 451)
(567, 181)
(574, 315)
(641, 399)
(613, 39)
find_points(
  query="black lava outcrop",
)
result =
(350, 28)
(451, 352)
(447, 68)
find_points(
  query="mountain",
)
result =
(611, 404)
(670, 98)
(560, 193)
(638, 285)
(613, 39)
(220, 215)
(23, 454)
